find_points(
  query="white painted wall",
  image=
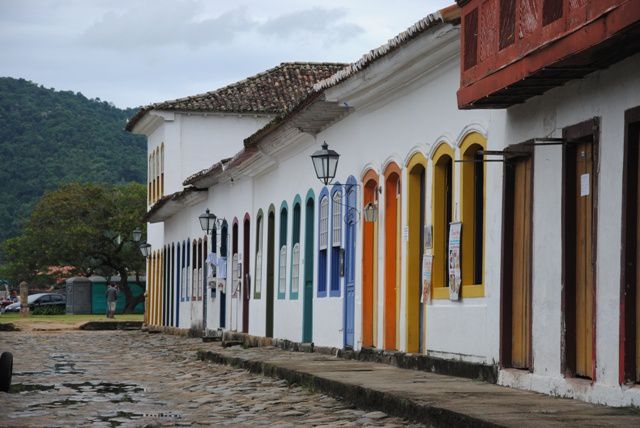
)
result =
(605, 94)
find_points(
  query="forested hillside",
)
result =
(50, 137)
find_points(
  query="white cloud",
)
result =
(133, 53)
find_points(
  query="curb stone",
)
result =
(365, 398)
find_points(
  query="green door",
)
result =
(307, 320)
(270, 271)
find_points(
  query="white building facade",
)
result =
(291, 258)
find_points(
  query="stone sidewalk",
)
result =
(132, 379)
(432, 399)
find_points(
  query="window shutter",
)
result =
(336, 238)
(295, 268)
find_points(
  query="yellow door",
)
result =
(584, 272)
(521, 265)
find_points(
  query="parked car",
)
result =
(40, 300)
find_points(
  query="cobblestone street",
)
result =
(111, 379)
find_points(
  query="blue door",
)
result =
(351, 217)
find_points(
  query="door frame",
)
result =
(416, 188)
(351, 199)
(271, 242)
(506, 305)
(628, 286)
(392, 261)
(246, 250)
(575, 134)
(309, 252)
(369, 260)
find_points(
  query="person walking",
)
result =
(112, 298)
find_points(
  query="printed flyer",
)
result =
(427, 264)
(455, 276)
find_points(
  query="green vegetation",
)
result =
(49, 310)
(49, 138)
(86, 226)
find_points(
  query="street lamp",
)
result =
(325, 163)
(207, 221)
(371, 212)
(137, 234)
(145, 249)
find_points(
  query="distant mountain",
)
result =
(50, 137)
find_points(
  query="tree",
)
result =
(87, 226)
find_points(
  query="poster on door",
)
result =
(455, 278)
(427, 264)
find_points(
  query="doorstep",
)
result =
(420, 396)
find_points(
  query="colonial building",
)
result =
(463, 228)
(567, 75)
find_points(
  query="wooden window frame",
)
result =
(335, 244)
(282, 241)
(470, 144)
(440, 291)
(296, 224)
(257, 283)
(323, 247)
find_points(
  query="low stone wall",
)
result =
(483, 372)
(111, 325)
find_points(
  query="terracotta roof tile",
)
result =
(274, 91)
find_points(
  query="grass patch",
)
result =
(14, 317)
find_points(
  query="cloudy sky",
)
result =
(134, 52)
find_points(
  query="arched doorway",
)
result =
(416, 168)
(369, 265)
(349, 263)
(234, 277)
(245, 273)
(224, 237)
(271, 220)
(392, 204)
(307, 319)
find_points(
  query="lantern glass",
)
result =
(145, 249)
(137, 234)
(207, 220)
(325, 163)
(371, 212)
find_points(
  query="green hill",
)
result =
(50, 137)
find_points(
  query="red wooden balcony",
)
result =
(513, 50)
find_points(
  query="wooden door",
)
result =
(636, 171)
(368, 263)
(583, 257)
(415, 250)
(579, 251)
(516, 274)
(391, 253)
(630, 291)
(245, 275)
(307, 318)
(270, 271)
(350, 268)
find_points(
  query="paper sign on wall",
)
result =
(585, 185)
(455, 278)
(427, 265)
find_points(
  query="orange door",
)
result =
(368, 273)
(390, 258)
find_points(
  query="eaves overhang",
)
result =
(170, 205)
